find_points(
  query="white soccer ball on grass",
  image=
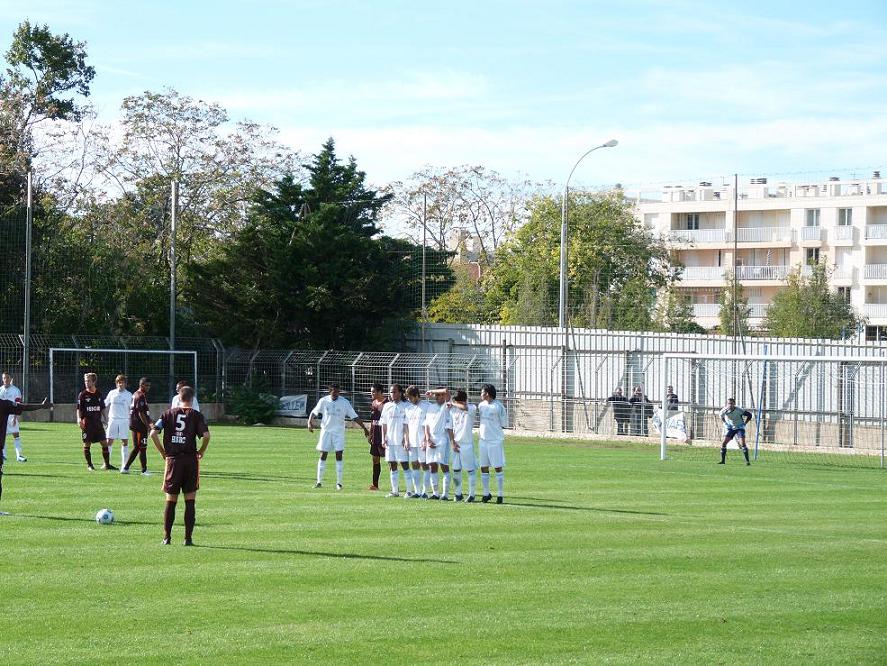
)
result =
(104, 517)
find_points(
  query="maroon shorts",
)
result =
(93, 433)
(182, 475)
(139, 439)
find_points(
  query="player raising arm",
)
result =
(181, 426)
(493, 420)
(735, 420)
(332, 409)
(7, 409)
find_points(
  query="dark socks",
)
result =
(132, 456)
(377, 470)
(169, 517)
(105, 455)
(143, 458)
(745, 453)
(190, 516)
(723, 455)
(87, 455)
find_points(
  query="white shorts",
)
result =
(396, 453)
(331, 442)
(464, 460)
(117, 429)
(439, 455)
(12, 424)
(492, 454)
(416, 455)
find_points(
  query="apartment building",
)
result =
(770, 230)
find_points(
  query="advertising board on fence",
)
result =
(675, 426)
(293, 405)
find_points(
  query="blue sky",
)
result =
(690, 89)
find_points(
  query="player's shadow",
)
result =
(83, 520)
(239, 476)
(45, 476)
(345, 556)
(570, 507)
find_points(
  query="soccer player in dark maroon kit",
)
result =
(8, 408)
(90, 405)
(181, 427)
(139, 425)
(377, 450)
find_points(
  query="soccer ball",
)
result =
(104, 517)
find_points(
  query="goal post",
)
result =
(164, 367)
(832, 407)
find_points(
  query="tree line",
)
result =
(277, 248)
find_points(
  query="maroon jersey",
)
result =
(376, 426)
(139, 406)
(90, 405)
(7, 408)
(181, 427)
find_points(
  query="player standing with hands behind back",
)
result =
(90, 405)
(735, 420)
(181, 426)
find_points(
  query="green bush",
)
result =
(251, 404)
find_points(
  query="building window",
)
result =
(692, 221)
(876, 333)
(845, 217)
(844, 292)
(813, 217)
(812, 256)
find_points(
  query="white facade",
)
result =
(776, 228)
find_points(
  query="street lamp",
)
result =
(562, 306)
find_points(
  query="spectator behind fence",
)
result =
(621, 410)
(671, 399)
(641, 410)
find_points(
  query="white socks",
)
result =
(394, 478)
(446, 483)
(472, 482)
(321, 467)
(500, 481)
(18, 445)
(457, 481)
(433, 476)
(124, 455)
(340, 467)
(485, 482)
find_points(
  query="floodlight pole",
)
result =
(424, 246)
(562, 305)
(174, 205)
(26, 337)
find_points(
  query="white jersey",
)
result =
(438, 420)
(333, 413)
(118, 403)
(177, 402)
(493, 420)
(463, 424)
(394, 417)
(10, 393)
(416, 421)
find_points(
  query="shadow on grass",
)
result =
(240, 476)
(318, 553)
(46, 476)
(84, 520)
(570, 507)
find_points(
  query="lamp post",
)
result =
(562, 305)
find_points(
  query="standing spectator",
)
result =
(671, 399)
(641, 410)
(621, 410)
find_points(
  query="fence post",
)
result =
(881, 412)
(26, 324)
(390, 373)
(663, 414)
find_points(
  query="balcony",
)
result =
(715, 273)
(844, 235)
(875, 310)
(757, 311)
(876, 232)
(875, 272)
(762, 272)
(698, 236)
(764, 235)
(812, 234)
(703, 310)
(842, 273)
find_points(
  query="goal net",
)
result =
(162, 367)
(822, 409)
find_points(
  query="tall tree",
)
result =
(614, 264)
(808, 308)
(309, 268)
(675, 313)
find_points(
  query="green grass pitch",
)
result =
(600, 555)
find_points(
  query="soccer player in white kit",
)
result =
(177, 401)
(332, 409)
(118, 402)
(462, 414)
(439, 433)
(493, 420)
(11, 392)
(394, 439)
(417, 409)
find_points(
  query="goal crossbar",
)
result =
(81, 350)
